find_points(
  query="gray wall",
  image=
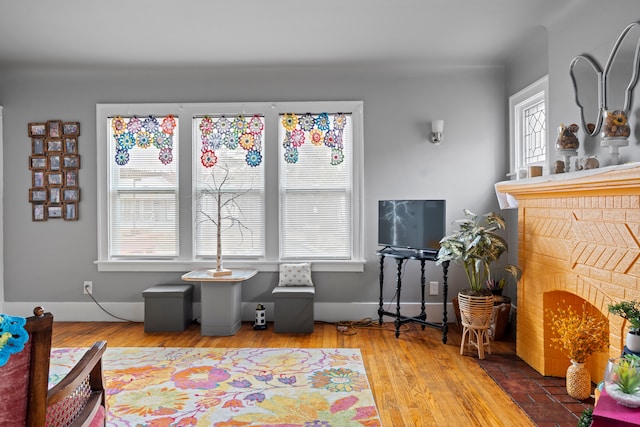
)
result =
(48, 261)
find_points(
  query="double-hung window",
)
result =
(258, 183)
(143, 187)
(315, 185)
(229, 186)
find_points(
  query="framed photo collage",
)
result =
(54, 163)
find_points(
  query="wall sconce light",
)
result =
(437, 127)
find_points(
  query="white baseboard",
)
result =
(323, 311)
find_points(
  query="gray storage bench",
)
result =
(167, 308)
(293, 311)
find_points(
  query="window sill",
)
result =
(260, 266)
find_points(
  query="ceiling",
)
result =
(268, 32)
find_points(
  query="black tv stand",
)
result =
(401, 255)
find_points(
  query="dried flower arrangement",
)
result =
(578, 334)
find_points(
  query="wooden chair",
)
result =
(78, 400)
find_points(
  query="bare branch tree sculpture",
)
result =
(226, 212)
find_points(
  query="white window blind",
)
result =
(143, 187)
(229, 167)
(315, 187)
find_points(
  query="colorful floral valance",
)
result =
(317, 129)
(13, 335)
(231, 132)
(143, 133)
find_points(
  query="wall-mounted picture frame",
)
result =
(55, 194)
(70, 145)
(38, 212)
(70, 129)
(37, 146)
(37, 129)
(54, 178)
(53, 162)
(71, 161)
(54, 128)
(37, 162)
(71, 178)
(37, 179)
(54, 211)
(70, 211)
(70, 195)
(37, 195)
(54, 145)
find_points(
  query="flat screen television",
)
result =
(411, 224)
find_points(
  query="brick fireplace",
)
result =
(578, 244)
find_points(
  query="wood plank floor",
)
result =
(415, 379)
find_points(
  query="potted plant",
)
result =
(476, 245)
(578, 334)
(622, 380)
(629, 310)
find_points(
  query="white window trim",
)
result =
(185, 111)
(517, 103)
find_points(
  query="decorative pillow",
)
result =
(295, 274)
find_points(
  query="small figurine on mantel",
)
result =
(587, 163)
(558, 167)
(567, 140)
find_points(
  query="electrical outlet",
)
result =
(433, 288)
(87, 287)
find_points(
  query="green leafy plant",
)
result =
(586, 418)
(476, 245)
(629, 310)
(627, 373)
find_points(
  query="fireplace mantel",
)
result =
(578, 241)
(620, 178)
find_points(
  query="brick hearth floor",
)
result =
(544, 399)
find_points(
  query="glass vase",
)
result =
(615, 125)
(578, 381)
(622, 381)
(567, 139)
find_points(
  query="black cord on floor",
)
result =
(348, 327)
(103, 309)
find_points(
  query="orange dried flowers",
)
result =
(578, 334)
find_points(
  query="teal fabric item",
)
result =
(13, 335)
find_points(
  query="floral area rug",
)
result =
(152, 386)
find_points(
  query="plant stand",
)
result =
(475, 316)
(499, 318)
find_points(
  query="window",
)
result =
(315, 185)
(528, 129)
(229, 181)
(286, 191)
(143, 186)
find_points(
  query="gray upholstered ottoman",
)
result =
(167, 308)
(293, 309)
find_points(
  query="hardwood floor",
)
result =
(415, 379)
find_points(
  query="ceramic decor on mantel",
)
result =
(615, 133)
(567, 143)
